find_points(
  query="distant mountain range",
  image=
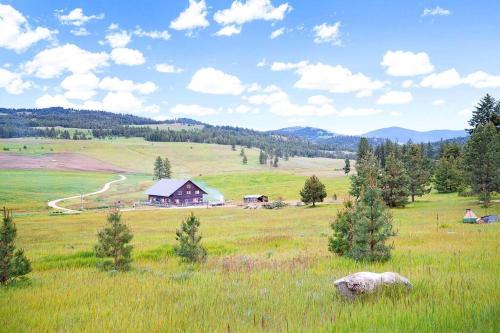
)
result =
(404, 135)
(398, 134)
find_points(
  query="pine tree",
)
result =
(112, 242)
(347, 166)
(342, 241)
(275, 162)
(262, 158)
(482, 161)
(159, 169)
(488, 110)
(448, 174)
(167, 168)
(189, 247)
(244, 159)
(13, 262)
(395, 183)
(364, 148)
(418, 168)
(313, 191)
(242, 152)
(233, 147)
(366, 168)
(372, 227)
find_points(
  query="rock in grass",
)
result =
(367, 282)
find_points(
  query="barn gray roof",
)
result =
(166, 187)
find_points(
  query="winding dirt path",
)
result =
(53, 203)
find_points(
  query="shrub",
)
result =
(189, 247)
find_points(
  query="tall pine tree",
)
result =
(372, 227)
(419, 170)
(13, 262)
(448, 174)
(482, 161)
(159, 169)
(488, 110)
(395, 183)
(167, 168)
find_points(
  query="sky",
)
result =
(344, 66)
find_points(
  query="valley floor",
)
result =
(267, 270)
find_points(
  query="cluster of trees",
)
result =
(162, 168)
(401, 171)
(473, 168)
(113, 243)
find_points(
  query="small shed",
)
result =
(469, 216)
(254, 198)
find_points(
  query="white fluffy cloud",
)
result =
(15, 32)
(335, 79)
(405, 63)
(193, 17)
(119, 101)
(154, 34)
(47, 101)
(192, 110)
(167, 68)
(228, 30)
(242, 12)
(451, 78)
(213, 81)
(12, 82)
(76, 17)
(482, 79)
(80, 86)
(279, 103)
(276, 33)
(395, 97)
(126, 56)
(278, 66)
(447, 79)
(327, 33)
(52, 62)
(436, 11)
(117, 38)
(117, 85)
(319, 100)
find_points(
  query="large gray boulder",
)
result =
(367, 282)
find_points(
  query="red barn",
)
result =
(175, 192)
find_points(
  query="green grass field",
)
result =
(267, 270)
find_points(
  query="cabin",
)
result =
(255, 198)
(175, 192)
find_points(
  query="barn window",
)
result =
(179, 193)
(188, 186)
(196, 192)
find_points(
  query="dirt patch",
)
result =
(56, 161)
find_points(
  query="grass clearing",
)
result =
(268, 270)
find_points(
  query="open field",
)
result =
(188, 159)
(267, 271)
(30, 190)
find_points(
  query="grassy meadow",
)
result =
(267, 270)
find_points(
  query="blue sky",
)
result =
(345, 66)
